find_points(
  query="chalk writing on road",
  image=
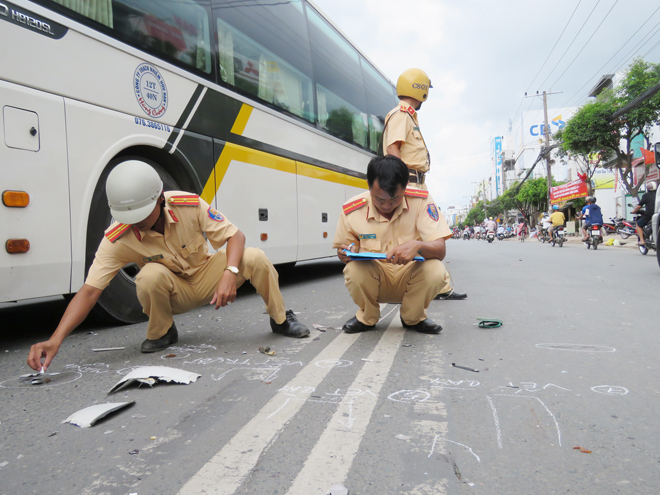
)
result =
(610, 390)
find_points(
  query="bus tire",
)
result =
(118, 302)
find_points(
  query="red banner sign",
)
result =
(566, 192)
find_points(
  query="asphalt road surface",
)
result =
(565, 399)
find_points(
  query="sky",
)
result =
(483, 56)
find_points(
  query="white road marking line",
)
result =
(333, 455)
(227, 470)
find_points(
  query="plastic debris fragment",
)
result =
(90, 415)
(337, 489)
(152, 374)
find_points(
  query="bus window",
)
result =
(342, 108)
(263, 50)
(179, 30)
(380, 100)
(96, 10)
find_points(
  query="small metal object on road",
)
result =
(102, 349)
(134, 452)
(266, 351)
(464, 368)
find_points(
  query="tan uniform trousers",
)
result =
(163, 293)
(414, 285)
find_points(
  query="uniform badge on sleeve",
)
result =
(433, 212)
(215, 215)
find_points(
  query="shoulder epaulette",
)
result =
(407, 109)
(184, 200)
(354, 205)
(416, 193)
(114, 233)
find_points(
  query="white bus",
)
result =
(262, 107)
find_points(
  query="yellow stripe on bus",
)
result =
(234, 152)
(242, 119)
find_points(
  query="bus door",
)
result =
(33, 160)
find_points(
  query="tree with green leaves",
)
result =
(593, 131)
(476, 214)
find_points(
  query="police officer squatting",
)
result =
(403, 138)
(165, 234)
(401, 222)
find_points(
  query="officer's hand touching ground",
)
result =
(43, 350)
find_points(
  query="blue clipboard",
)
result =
(372, 256)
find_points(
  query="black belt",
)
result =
(415, 176)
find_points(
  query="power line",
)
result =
(569, 46)
(585, 45)
(626, 60)
(553, 48)
(599, 71)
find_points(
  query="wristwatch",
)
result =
(232, 269)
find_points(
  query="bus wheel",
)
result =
(118, 302)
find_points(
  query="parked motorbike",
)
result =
(594, 236)
(624, 228)
(490, 236)
(558, 236)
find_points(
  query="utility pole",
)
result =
(547, 144)
(546, 132)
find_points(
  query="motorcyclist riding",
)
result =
(648, 203)
(591, 214)
(558, 220)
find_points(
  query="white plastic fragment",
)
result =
(103, 349)
(402, 437)
(151, 374)
(90, 415)
(337, 489)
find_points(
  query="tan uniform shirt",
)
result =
(402, 125)
(182, 249)
(416, 218)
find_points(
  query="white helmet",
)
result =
(133, 188)
(651, 186)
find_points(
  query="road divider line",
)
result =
(227, 469)
(332, 456)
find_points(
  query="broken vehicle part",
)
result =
(90, 415)
(102, 349)
(152, 374)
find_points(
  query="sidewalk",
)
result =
(630, 243)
